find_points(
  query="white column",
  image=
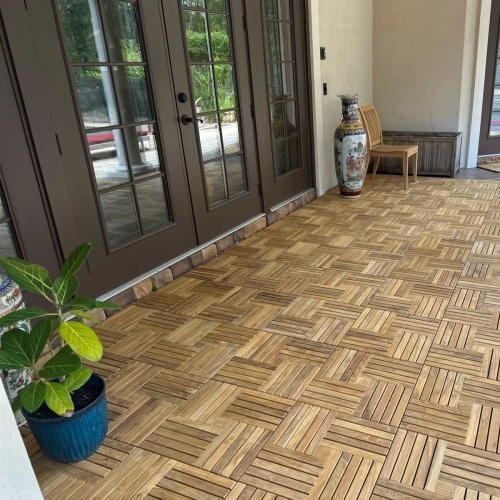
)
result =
(17, 479)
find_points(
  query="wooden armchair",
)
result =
(378, 149)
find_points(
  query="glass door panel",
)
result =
(278, 55)
(212, 68)
(489, 137)
(111, 79)
(218, 135)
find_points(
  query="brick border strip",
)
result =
(147, 286)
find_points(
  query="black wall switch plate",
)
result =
(325, 89)
(322, 53)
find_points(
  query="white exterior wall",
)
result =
(17, 479)
(345, 29)
(421, 62)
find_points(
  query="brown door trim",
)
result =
(276, 190)
(490, 145)
(20, 175)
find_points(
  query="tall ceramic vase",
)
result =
(350, 149)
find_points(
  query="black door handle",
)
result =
(186, 120)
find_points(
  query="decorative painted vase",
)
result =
(12, 300)
(350, 148)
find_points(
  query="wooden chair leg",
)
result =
(415, 162)
(375, 165)
(405, 172)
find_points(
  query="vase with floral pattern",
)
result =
(12, 300)
(350, 148)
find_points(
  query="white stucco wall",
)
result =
(17, 479)
(425, 58)
(418, 56)
(345, 29)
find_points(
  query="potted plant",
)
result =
(65, 404)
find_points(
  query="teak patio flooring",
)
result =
(350, 350)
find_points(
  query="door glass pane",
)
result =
(277, 9)
(281, 81)
(8, 241)
(122, 33)
(230, 132)
(281, 77)
(120, 214)
(152, 204)
(197, 36)
(277, 120)
(225, 86)
(83, 33)
(280, 157)
(496, 99)
(109, 158)
(96, 97)
(235, 175)
(217, 5)
(7, 244)
(147, 161)
(213, 79)
(132, 94)
(290, 121)
(203, 88)
(495, 123)
(293, 154)
(209, 132)
(219, 31)
(117, 114)
(195, 4)
(215, 181)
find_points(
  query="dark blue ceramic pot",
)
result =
(75, 438)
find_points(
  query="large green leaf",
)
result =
(31, 277)
(107, 305)
(17, 342)
(33, 394)
(75, 260)
(87, 304)
(39, 336)
(82, 340)
(12, 361)
(23, 314)
(65, 288)
(63, 363)
(84, 315)
(58, 399)
(16, 404)
(77, 379)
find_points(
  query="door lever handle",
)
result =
(186, 120)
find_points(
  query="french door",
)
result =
(160, 124)
(489, 138)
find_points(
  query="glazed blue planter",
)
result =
(75, 438)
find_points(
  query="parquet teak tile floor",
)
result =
(350, 350)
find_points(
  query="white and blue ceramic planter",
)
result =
(350, 149)
(11, 300)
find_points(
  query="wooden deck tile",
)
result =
(349, 351)
(436, 420)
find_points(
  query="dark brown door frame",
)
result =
(52, 112)
(276, 190)
(20, 173)
(211, 223)
(490, 145)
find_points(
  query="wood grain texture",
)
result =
(350, 350)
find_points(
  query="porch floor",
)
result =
(350, 350)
